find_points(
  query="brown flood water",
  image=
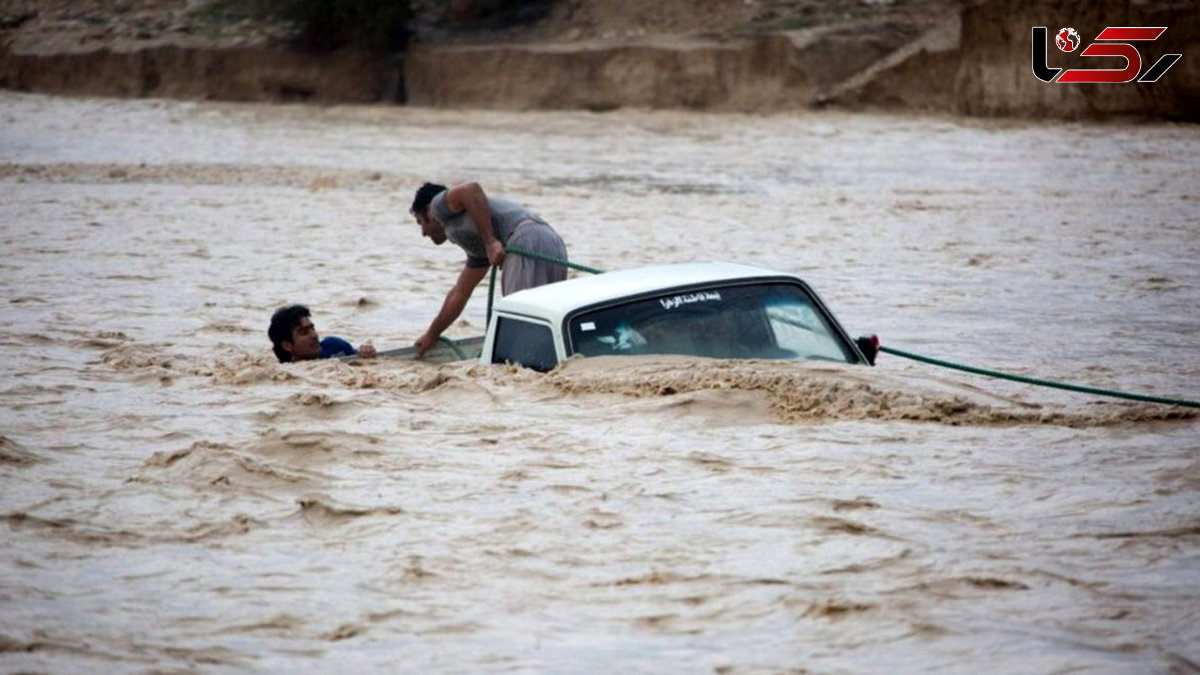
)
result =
(173, 500)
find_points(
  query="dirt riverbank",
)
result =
(942, 56)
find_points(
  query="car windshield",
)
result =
(750, 321)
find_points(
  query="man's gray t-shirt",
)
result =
(461, 229)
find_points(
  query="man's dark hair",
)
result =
(425, 194)
(282, 322)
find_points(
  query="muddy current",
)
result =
(174, 500)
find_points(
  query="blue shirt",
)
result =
(336, 346)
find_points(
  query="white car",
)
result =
(717, 310)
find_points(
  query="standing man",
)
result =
(483, 226)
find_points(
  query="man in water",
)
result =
(483, 226)
(294, 338)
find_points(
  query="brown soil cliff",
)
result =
(736, 55)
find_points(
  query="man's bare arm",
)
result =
(452, 306)
(470, 197)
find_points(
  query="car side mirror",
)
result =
(869, 346)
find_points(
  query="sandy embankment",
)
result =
(188, 68)
(974, 60)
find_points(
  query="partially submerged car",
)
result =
(716, 310)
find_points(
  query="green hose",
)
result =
(458, 353)
(1040, 383)
(541, 256)
(491, 292)
(516, 250)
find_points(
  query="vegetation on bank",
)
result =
(324, 25)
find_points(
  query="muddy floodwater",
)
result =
(172, 499)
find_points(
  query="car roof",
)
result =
(555, 301)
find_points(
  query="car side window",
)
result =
(524, 343)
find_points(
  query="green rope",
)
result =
(895, 352)
(1041, 383)
(491, 292)
(541, 256)
(458, 353)
(516, 250)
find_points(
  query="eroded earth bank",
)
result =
(946, 56)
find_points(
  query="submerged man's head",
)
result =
(293, 335)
